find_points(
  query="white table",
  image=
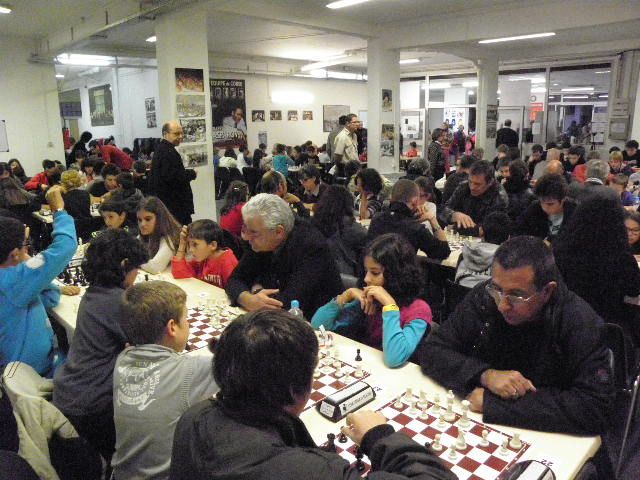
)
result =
(567, 453)
(44, 214)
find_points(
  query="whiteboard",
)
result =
(4, 142)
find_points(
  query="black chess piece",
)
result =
(146, 277)
(331, 443)
(358, 357)
(342, 438)
(359, 462)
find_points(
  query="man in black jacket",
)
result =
(475, 199)
(524, 350)
(168, 179)
(507, 136)
(264, 366)
(289, 260)
(457, 177)
(404, 217)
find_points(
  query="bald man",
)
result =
(169, 180)
(555, 167)
(552, 154)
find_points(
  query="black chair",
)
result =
(231, 241)
(252, 177)
(615, 340)
(222, 178)
(454, 293)
(235, 174)
(631, 415)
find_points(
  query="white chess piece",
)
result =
(441, 421)
(347, 378)
(503, 447)
(452, 453)
(317, 374)
(358, 373)
(464, 420)
(424, 414)
(450, 396)
(398, 403)
(515, 441)
(408, 395)
(422, 403)
(484, 442)
(450, 415)
(338, 373)
(413, 410)
(461, 443)
(436, 445)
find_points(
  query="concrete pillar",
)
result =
(487, 93)
(383, 71)
(182, 43)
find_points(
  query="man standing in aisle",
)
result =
(168, 179)
(435, 154)
(507, 136)
(345, 146)
(332, 136)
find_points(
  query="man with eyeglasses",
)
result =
(524, 350)
(168, 179)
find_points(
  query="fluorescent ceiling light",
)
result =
(59, 75)
(5, 9)
(519, 37)
(330, 61)
(344, 3)
(473, 83)
(89, 60)
(575, 96)
(409, 60)
(555, 84)
(603, 96)
(531, 79)
(577, 89)
(290, 97)
(470, 92)
(604, 71)
(151, 39)
(439, 86)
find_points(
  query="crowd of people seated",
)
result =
(526, 338)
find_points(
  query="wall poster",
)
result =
(228, 108)
(275, 115)
(194, 155)
(492, 121)
(101, 106)
(387, 103)
(190, 80)
(292, 115)
(257, 115)
(307, 115)
(387, 148)
(190, 106)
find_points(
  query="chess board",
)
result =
(203, 328)
(325, 381)
(73, 275)
(475, 462)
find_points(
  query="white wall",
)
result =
(129, 88)
(409, 95)
(29, 105)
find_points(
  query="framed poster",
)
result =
(257, 115)
(387, 147)
(195, 130)
(228, 109)
(387, 103)
(189, 80)
(330, 115)
(190, 106)
(292, 115)
(275, 115)
(194, 155)
(307, 115)
(101, 106)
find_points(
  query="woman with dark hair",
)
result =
(387, 313)
(595, 260)
(159, 232)
(368, 185)
(333, 216)
(83, 386)
(18, 172)
(517, 187)
(231, 211)
(632, 224)
(80, 145)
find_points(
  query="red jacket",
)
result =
(215, 271)
(232, 221)
(37, 180)
(112, 154)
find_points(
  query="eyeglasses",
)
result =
(635, 231)
(513, 300)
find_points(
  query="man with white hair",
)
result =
(594, 186)
(289, 260)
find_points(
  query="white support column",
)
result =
(182, 43)
(487, 95)
(383, 70)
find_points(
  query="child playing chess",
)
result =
(386, 313)
(116, 215)
(211, 262)
(153, 383)
(159, 231)
(83, 386)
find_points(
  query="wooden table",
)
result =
(565, 453)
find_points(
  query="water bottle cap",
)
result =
(295, 304)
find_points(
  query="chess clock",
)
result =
(337, 406)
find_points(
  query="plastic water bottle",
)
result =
(295, 309)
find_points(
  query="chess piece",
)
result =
(461, 443)
(441, 422)
(317, 373)
(342, 438)
(464, 420)
(452, 453)
(398, 403)
(408, 395)
(331, 443)
(413, 410)
(515, 441)
(484, 442)
(450, 396)
(424, 414)
(358, 357)
(347, 379)
(358, 373)
(503, 447)
(146, 277)
(422, 403)
(338, 373)
(450, 415)
(436, 445)
(359, 462)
